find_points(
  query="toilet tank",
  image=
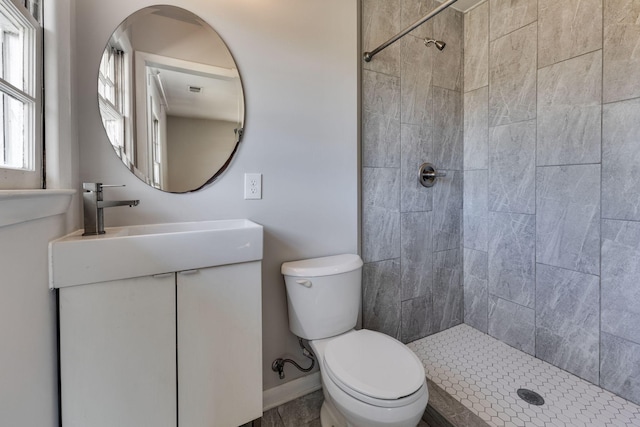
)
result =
(323, 295)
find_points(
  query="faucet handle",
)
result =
(91, 186)
(97, 186)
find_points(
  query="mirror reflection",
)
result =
(170, 98)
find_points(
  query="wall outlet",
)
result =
(252, 186)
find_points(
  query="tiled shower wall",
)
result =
(552, 183)
(412, 113)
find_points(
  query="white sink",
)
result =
(143, 250)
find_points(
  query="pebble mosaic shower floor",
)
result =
(484, 374)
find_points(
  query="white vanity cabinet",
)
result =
(120, 365)
(140, 347)
(220, 346)
(118, 353)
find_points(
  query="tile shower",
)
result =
(533, 110)
(412, 113)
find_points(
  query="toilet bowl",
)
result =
(369, 379)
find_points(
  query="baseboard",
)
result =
(289, 391)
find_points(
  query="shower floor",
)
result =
(483, 374)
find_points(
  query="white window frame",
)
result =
(119, 110)
(32, 176)
(112, 63)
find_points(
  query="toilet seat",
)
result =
(374, 368)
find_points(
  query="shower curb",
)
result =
(445, 411)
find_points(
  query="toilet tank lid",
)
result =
(325, 266)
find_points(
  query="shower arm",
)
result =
(368, 56)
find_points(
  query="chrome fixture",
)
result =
(368, 56)
(278, 364)
(427, 175)
(437, 43)
(94, 206)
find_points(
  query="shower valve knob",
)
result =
(427, 175)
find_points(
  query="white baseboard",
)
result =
(287, 392)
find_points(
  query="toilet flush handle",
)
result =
(304, 282)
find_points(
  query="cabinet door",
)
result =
(118, 353)
(220, 346)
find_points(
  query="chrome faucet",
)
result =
(94, 206)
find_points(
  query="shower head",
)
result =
(437, 43)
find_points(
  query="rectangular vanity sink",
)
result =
(142, 250)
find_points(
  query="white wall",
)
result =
(28, 355)
(299, 64)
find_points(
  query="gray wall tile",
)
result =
(567, 320)
(448, 306)
(621, 38)
(476, 302)
(512, 168)
(570, 111)
(620, 160)
(381, 297)
(380, 234)
(416, 149)
(476, 48)
(381, 188)
(573, 132)
(380, 214)
(381, 120)
(380, 21)
(412, 10)
(620, 283)
(381, 93)
(399, 100)
(476, 129)
(568, 28)
(512, 257)
(507, 16)
(568, 217)
(416, 74)
(415, 319)
(448, 128)
(380, 140)
(512, 77)
(512, 324)
(475, 211)
(417, 255)
(447, 211)
(448, 63)
(620, 367)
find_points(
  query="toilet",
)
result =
(368, 378)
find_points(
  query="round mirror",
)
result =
(170, 98)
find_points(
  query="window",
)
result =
(110, 88)
(113, 93)
(20, 94)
